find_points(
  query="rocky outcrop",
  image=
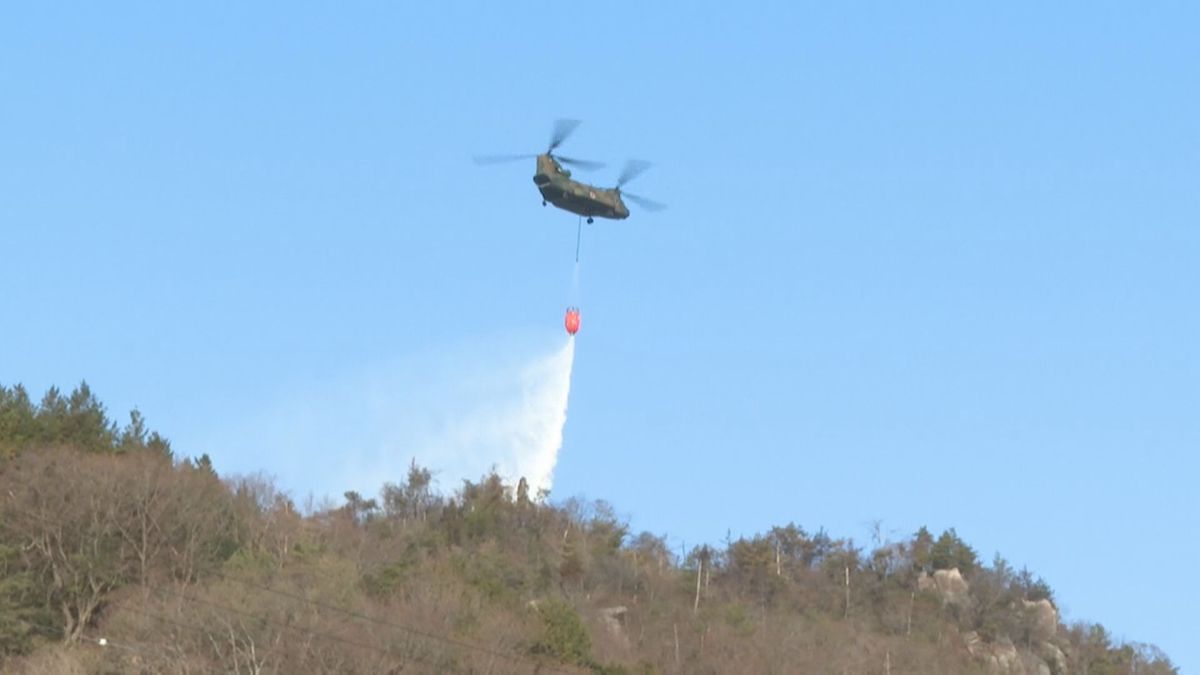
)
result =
(948, 584)
(1054, 658)
(613, 619)
(1040, 656)
(1043, 617)
(1002, 657)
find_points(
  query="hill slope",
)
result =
(106, 537)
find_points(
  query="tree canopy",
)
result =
(104, 533)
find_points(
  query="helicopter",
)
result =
(560, 189)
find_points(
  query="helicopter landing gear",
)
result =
(589, 220)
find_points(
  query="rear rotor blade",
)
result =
(499, 159)
(562, 129)
(633, 169)
(648, 204)
(585, 164)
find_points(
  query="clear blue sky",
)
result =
(928, 264)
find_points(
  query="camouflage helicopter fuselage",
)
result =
(558, 188)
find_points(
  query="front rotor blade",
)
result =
(648, 204)
(633, 169)
(584, 164)
(562, 129)
(499, 159)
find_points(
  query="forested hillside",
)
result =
(117, 556)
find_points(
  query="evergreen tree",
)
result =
(950, 552)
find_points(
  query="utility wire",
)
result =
(391, 624)
(50, 630)
(315, 633)
(540, 666)
(154, 616)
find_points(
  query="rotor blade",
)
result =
(498, 159)
(562, 129)
(585, 164)
(633, 169)
(648, 204)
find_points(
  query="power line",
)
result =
(315, 633)
(129, 607)
(358, 615)
(391, 624)
(50, 630)
(104, 642)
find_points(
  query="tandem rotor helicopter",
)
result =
(558, 188)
